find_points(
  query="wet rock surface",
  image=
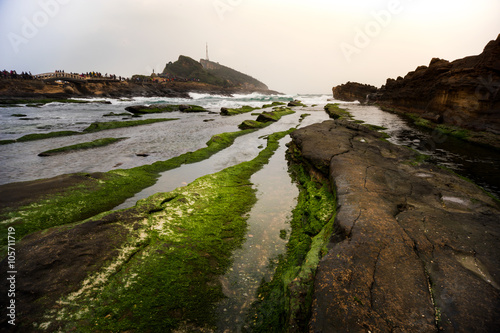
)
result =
(416, 248)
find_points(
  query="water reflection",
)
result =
(272, 212)
(479, 164)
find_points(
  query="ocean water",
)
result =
(160, 141)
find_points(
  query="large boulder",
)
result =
(353, 91)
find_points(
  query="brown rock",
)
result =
(465, 92)
(416, 247)
(353, 91)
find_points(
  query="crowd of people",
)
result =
(94, 75)
(5, 74)
(97, 75)
(13, 75)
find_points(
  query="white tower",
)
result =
(207, 54)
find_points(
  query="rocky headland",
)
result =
(464, 92)
(415, 247)
(353, 91)
(177, 80)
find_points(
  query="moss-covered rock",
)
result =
(37, 205)
(303, 116)
(40, 136)
(247, 124)
(266, 118)
(155, 108)
(273, 104)
(157, 268)
(296, 103)
(81, 146)
(284, 302)
(161, 108)
(92, 128)
(192, 108)
(113, 114)
(336, 112)
(235, 111)
(102, 126)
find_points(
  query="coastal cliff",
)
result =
(15, 89)
(464, 92)
(353, 91)
(415, 247)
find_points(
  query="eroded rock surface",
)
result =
(464, 92)
(418, 247)
(353, 91)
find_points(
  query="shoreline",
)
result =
(329, 158)
(15, 89)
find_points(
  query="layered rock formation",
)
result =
(464, 92)
(415, 248)
(353, 91)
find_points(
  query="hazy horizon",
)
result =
(292, 46)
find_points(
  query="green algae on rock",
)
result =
(235, 111)
(81, 146)
(169, 251)
(336, 112)
(273, 104)
(92, 128)
(89, 194)
(41, 136)
(483, 138)
(296, 103)
(102, 126)
(285, 301)
(247, 124)
(160, 108)
(266, 118)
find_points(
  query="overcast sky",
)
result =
(292, 46)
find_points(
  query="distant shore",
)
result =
(32, 89)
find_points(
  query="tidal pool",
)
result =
(277, 196)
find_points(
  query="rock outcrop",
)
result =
(353, 91)
(15, 89)
(415, 248)
(233, 77)
(212, 73)
(464, 92)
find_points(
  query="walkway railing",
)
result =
(70, 77)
